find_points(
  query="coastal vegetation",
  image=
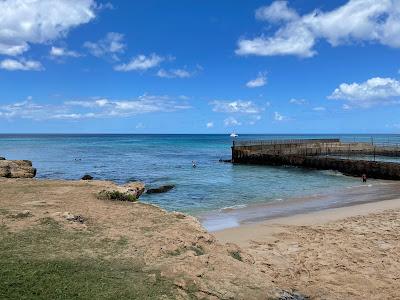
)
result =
(116, 196)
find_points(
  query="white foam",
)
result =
(237, 206)
(219, 224)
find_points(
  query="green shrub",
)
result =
(116, 196)
(236, 255)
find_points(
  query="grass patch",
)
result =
(48, 262)
(4, 211)
(236, 255)
(47, 221)
(116, 196)
(198, 250)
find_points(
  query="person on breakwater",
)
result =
(364, 178)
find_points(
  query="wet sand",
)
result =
(374, 191)
(349, 252)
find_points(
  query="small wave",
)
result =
(233, 207)
(278, 199)
(332, 173)
(359, 186)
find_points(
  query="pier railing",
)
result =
(286, 142)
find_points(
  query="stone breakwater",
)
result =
(16, 168)
(373, 169)
(314, 154)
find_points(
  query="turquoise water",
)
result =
(166, 159)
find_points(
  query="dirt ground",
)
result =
(172, 244)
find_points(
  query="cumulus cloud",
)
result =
(276, 12)
(111, 45)
(20, 65)
(231, 121)
(62, 52)
(372, 92)
(319, 108)
(210, 125)
(140, 63)
(26, 22)
(355, 21)
(93, 108)
(259, 81)
(238, 106)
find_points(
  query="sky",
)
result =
(191, 66)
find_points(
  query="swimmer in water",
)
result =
(193, 164)
(364, 178)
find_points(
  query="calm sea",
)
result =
(166, 159)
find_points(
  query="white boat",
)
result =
(234, 135)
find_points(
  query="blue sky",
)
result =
(86, 66)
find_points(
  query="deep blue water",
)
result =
(166, 159)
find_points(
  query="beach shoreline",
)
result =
(243, 215)
(244, 234)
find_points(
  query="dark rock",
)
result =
(225, 160)
(161, 189)
(2, 158)
(73, 218)
(292, 296)
(87, 177)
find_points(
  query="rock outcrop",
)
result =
(161, 189)
(87, 177)
(16, 169)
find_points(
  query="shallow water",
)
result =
(166, 159)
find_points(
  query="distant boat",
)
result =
(234, 135)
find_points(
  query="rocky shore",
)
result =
(16, 168)
(169, 248)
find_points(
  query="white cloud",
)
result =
(238, 106)
(319, 108)
(25, 22)
(259, 81)
(298, 101)
(140, 63)
(174, 73)
(369, 93)
(112, 45)
(20, 65)
(355, 21)
(346, 107)
(60, 52)
(210, 125)
(278, 11)
(140, 126)
(231, 121)
(279, 117)
(96, 108)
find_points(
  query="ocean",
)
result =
(167, 159)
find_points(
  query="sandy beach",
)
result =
(341, 253)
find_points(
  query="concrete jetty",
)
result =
(320, 154)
